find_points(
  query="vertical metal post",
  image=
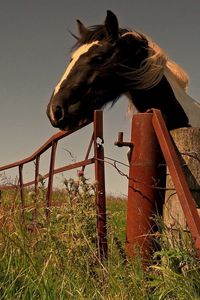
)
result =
(37, 162)
(185, 197)
(88, 150)
(143, 177)
(21, 184)
(50, 182)
(100, 179)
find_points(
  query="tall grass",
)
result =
(56, 258)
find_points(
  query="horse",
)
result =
(109, 61)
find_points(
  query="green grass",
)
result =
(57, 259)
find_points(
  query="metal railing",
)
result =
(186, 199)
(157, 130)
(149, 139)
(97, 160)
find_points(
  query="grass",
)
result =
(57, 258)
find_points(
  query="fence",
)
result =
(97, 160)
(150, 138)
(149, 135)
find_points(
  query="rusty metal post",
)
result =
(185, 197)
(37, 162)
(50, 182)
(21, 184)
(143, 197)
(88, 151)
(100, 190)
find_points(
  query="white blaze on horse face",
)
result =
(75, 56)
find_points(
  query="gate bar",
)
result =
(51, 173)
(100, 178)
(21, 184)
(88, 151)
(178, 177)
(37, 165)
(144, 200)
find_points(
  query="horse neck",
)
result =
(163, 98)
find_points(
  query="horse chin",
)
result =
(73, 125)
(65, 128)
(83, 122)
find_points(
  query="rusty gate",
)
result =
(97, 160)
(149, 139)
(149, 135)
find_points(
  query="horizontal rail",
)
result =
(56, 171)
(63, 169)
(55, 138)
(99, 176)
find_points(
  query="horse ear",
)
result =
(81, 28)
(111, 24)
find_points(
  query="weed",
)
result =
(58, 260)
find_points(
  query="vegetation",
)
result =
(56, 258)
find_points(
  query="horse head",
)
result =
(109, 61)
(95, 74)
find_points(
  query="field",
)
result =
(56, 258)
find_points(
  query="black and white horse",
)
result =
(110, 61)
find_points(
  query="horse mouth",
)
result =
(68, 124)
(74, 125)
(69, 121)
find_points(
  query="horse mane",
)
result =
(153, 67)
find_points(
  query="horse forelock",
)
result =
(94, 33)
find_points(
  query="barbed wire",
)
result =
(114, 165)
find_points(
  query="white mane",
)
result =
(151, 72)
(152, 69)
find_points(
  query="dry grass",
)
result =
(56, 258)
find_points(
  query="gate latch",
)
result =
(121, 143)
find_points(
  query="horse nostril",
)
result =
(58, 113)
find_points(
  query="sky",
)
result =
(35, 49)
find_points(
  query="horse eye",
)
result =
(97, 59)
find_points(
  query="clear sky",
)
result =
(35, 48)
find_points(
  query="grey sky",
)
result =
(35, 47)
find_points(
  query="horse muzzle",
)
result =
(56, 115)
